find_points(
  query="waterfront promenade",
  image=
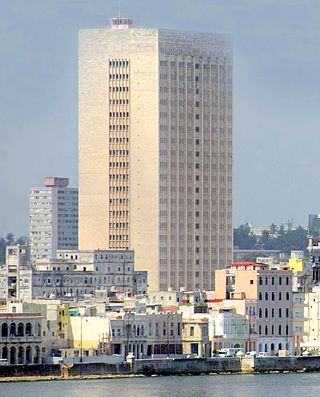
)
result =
(167, 367)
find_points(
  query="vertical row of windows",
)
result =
(119, 141)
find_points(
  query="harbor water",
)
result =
(274, 385)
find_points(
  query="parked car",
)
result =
(221, 354)
(4, 361)
(251, 354)
(263, 354)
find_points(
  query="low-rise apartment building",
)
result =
(312, 318)
(270, 310)
(144, 335)
(195, 336)
(73, 274)
(22, 338)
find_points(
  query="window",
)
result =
(272, 281)
(280, 312)
(287, 296)
(251, 282)
(287, 312)
(266, 296)
(280, 296)
(260, 296)
(280, 280)
(272, 296)
(191, 331)
(260, 280)
(287, 280)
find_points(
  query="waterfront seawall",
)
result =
(187, 366)
(164, 367)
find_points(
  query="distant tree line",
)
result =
(283, 238)
(10, 239)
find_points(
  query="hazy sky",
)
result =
(276, 96)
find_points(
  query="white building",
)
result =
(228, 329)
(312, 317)
(53, 218)
(155, 147)
(73, 274)
(15, 274)
(145, 335)
(22, 337)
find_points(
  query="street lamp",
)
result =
(168, 334)
(81, 351)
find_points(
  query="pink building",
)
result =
(267, 293)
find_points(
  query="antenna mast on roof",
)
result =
(121, 23)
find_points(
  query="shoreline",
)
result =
(45, 378)
(148, 368)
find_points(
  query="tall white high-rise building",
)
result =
(53, 218)
(155, 150)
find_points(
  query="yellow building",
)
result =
(155, 150)
(195, 336)
(86, 332)
(296, 265)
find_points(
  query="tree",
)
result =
(273, 229)
(10, 239)
(22, 240)
(244, 238)
(2, 250)
(265, 238)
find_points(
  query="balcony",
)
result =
(20, 339)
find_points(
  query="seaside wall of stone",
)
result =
(187, 366)
(168, 367)
(267, 364)
(29, 370)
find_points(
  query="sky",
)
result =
(276, 96)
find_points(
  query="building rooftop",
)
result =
(54, 181)
(249, 264)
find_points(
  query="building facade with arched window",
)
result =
(21, 338)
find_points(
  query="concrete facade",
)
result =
(53, 221)
(144, 335)
(270, 312)
(155, 150)
(15, 275)
(73, 274)
(21, 338)
(312, 316)
(195, 335)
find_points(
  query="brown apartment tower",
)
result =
(155, 150)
